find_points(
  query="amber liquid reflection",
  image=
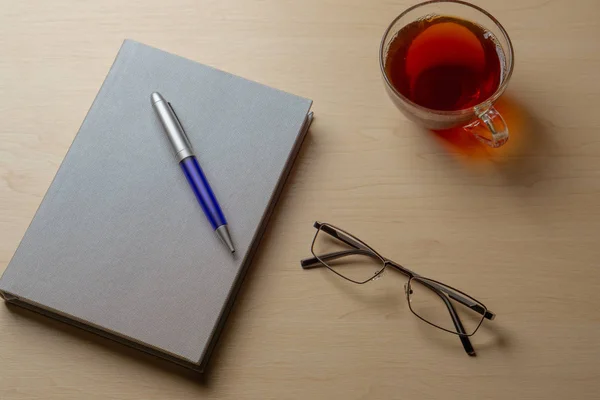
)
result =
(464, 144)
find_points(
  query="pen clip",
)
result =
(179, 122)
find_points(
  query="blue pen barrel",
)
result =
(203, 192)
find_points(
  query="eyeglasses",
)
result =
(434, 302)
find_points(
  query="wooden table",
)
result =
(518, 227)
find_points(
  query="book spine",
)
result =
(204, 359)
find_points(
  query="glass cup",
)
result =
(482, 120)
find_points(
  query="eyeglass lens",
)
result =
(357, 265)
(428, 300)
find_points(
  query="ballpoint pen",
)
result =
(189, 164)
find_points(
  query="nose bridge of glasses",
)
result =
(399, 268)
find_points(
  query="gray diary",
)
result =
(119, 244)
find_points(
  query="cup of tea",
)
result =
(445, 63)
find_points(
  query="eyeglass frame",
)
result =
(360, 247)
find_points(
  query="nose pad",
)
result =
(377, 275)
(407, 291)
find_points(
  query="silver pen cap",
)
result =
(179, 140)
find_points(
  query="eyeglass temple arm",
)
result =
(466, 302)
(340, 236)
(314, 262)
(453, 295)
(466, 342)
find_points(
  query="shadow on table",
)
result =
(490, 336)
(221, 349)
(523, 160)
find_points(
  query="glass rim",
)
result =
(421, 279)
(465, 111)
(369, 248)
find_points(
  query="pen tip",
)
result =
(223, 233)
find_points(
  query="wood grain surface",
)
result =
(517, 227)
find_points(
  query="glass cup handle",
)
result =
(489, 128)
